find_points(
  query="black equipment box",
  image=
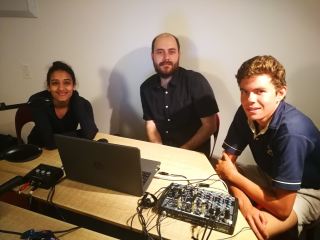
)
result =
(44, 176)
(200, 207)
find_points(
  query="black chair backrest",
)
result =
(23, 116)
(215, 134)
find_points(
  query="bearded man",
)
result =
(179, 106)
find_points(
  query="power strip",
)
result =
(200, 207)
(44, 176)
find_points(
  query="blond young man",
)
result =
(282, 190)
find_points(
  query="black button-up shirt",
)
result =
(177, 110)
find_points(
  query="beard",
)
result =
(168, 71)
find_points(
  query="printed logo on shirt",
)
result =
(269, 151)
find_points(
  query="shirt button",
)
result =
(166, 92)
(169, 119)
(166, 106)
(167, 131)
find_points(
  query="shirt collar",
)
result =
(254, 129)
(173, 81)
(272, 123)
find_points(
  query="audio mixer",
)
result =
(199, 206)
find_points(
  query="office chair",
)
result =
(23, 116)
(215, 134)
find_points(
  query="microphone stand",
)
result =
(4, 107)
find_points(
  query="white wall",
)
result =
(107, 42)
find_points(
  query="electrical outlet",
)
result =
(26, 75)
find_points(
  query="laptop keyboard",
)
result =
(145, 176)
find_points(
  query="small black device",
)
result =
(38, 235)
(200, 207)
(21, 153)
(44, 176)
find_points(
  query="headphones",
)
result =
(148, 200)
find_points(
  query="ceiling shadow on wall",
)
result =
(123, 94)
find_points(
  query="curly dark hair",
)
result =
(265, 64)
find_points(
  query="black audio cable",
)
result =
(209, 233)
(174, 175)
(189, 181)
(147, 203)
(234, 235)
(10, 232)
(143, 224)
(43, 234)
(50, 198)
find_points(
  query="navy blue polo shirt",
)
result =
(177, 110)
(289, 151)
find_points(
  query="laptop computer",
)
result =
(113, 166)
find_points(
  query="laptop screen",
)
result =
(113, 166)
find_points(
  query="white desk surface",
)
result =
(118, 208)
(17, 219)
